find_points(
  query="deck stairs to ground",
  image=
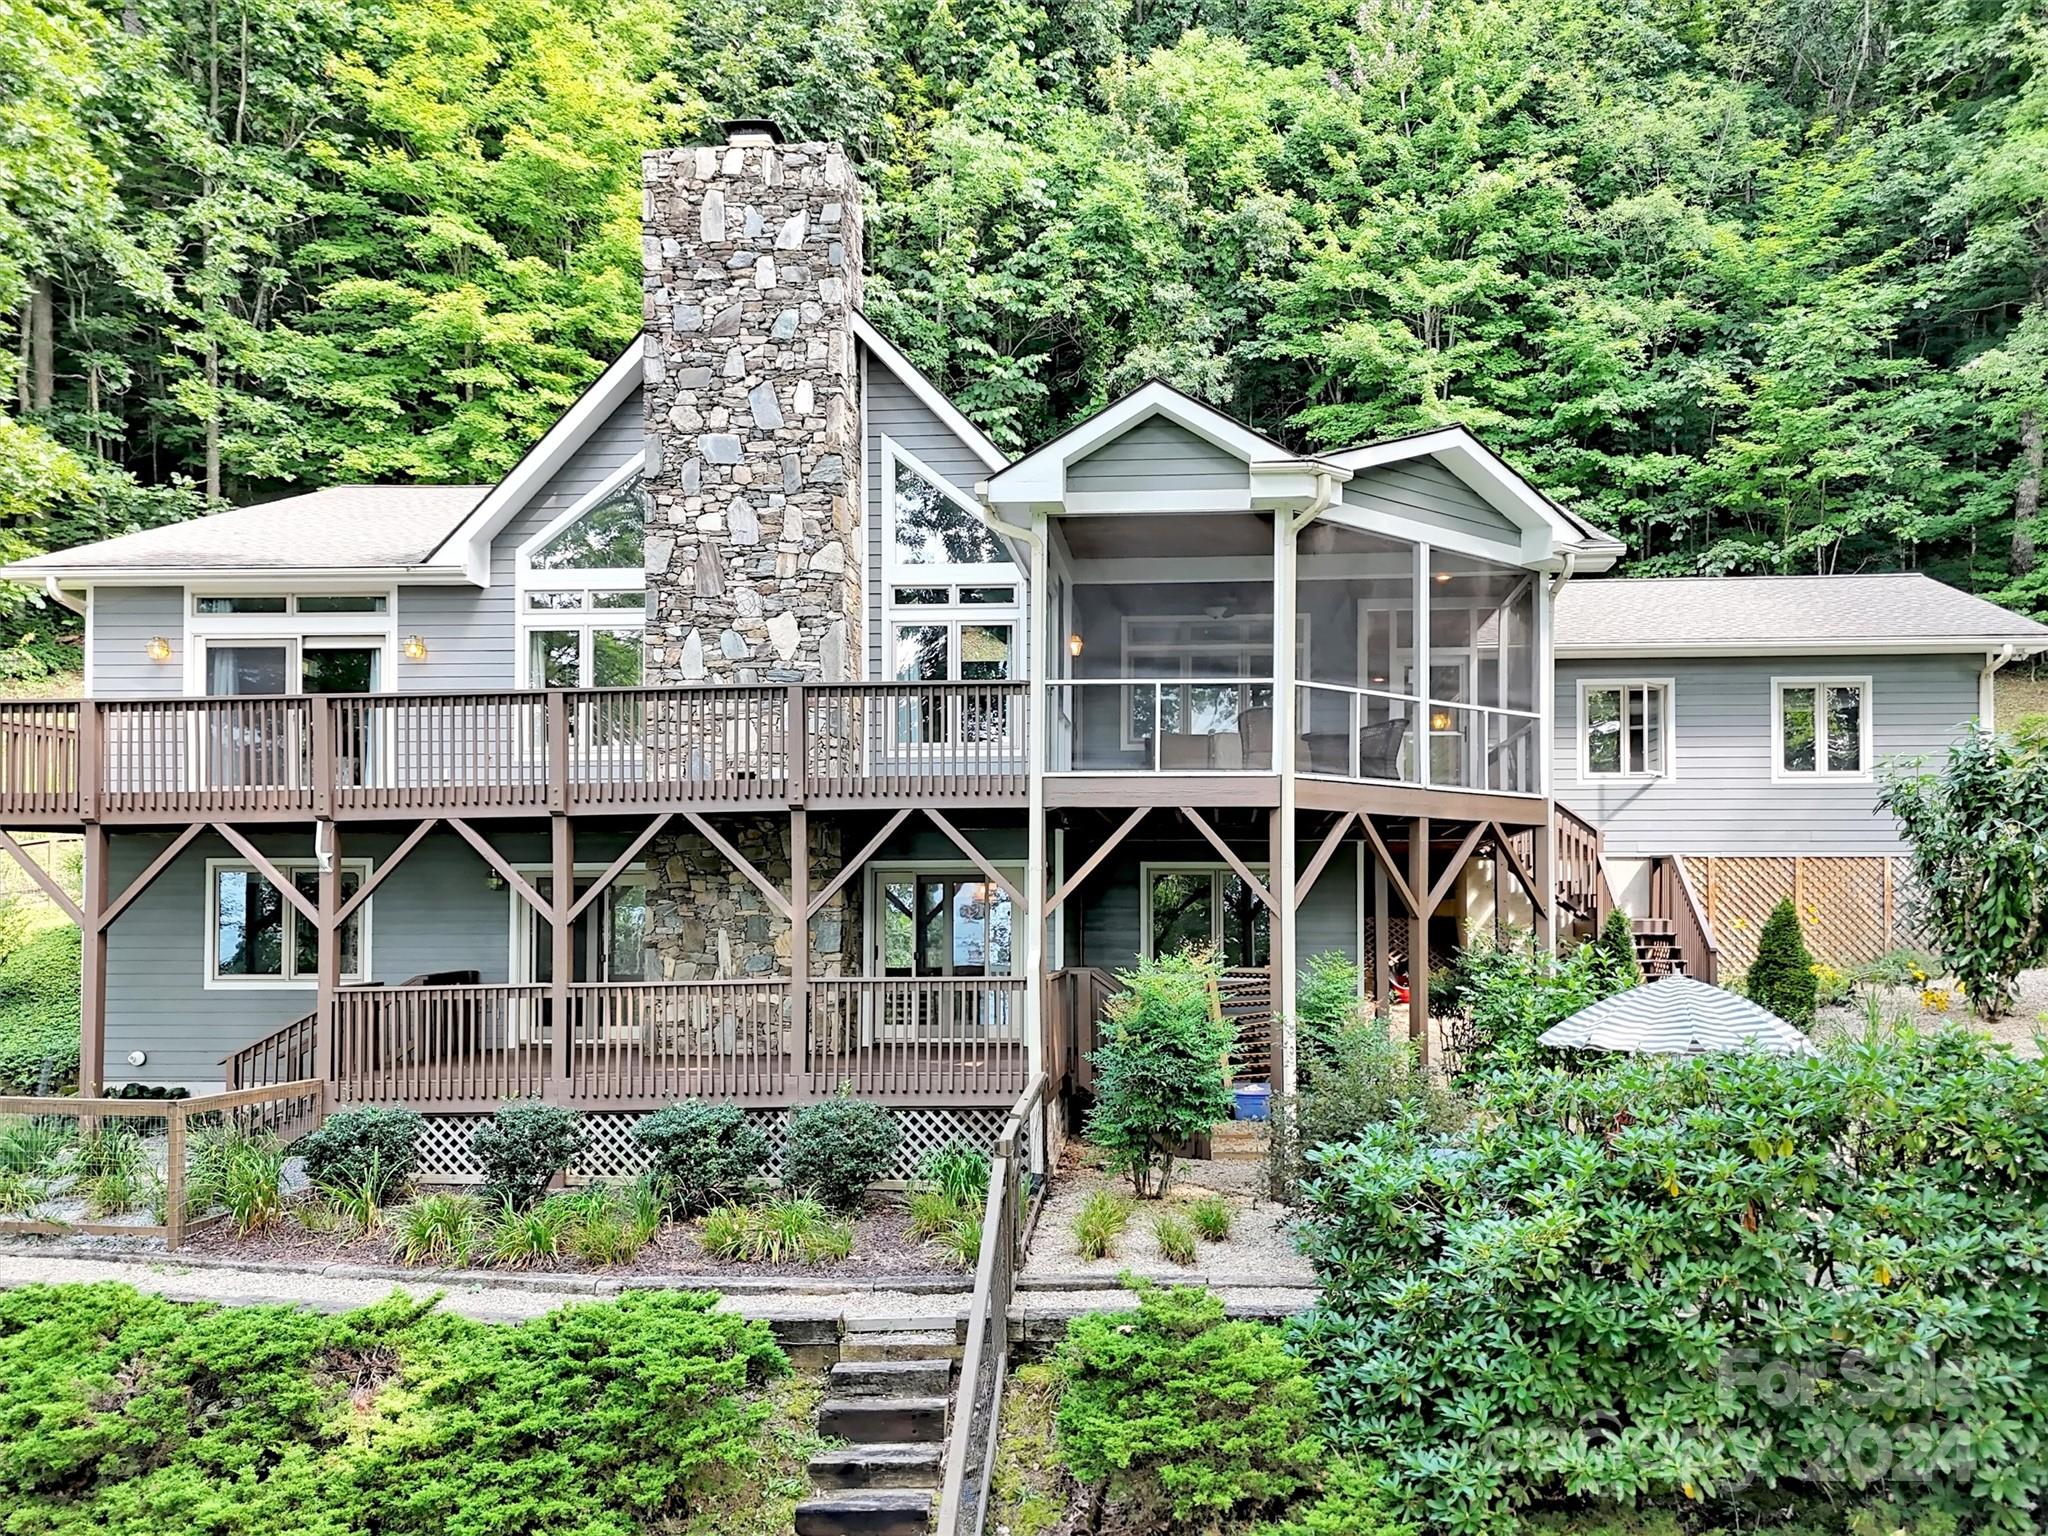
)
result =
(890, 1400)
(1658, 951)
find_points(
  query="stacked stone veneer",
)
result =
(752, 259)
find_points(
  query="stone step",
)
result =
(933, 1345)
(880, 1466)
(882, 1420)
(892, 1378)
(866, 1512)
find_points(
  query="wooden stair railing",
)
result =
(1584, 886)
(1677, 922)
(285, 1055)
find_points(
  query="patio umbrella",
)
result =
(1676, 1016)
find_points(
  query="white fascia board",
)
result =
(907, 373)
(471, 542)
(1039, 478)
(244, 578)
(1534, 555)
(1954, 645)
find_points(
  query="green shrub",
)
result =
(706, 1154)
(129, 1415)
(1160, 1074)
(442, 1229)
(1511, 994)
(1175, 1236)
(1368, 1077)
(1183, 1416)
(1781, 977)
(39, 980)
(791, 1231)
(836, 1149)
(522, 1148)
(1100, 1222)
(1663, 1279)
(1326, 1002)
(1618, 942)
(1898, 968)
(1211, 1216)
(371, 1153)
(1976, 828)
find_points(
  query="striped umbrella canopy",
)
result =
(1676, 1016)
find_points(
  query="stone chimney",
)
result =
(751, 252)
(752, 257)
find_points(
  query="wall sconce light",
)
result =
(1442, 578)
(493, 881)
(415, 648)
(1440, 720)
(157, 648)
(1073, 645)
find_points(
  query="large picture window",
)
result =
(256, 937)
(1821, 727)
(1625, 729)
(1206, 906)
(952, 587)
(583, 591)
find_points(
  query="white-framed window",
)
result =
(953, 592)
(1820, 728)
(1627, 728)
(582, 590)
(1207, 906)
(256, 938)
(940, 918)
(242, 644)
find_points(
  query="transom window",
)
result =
(953, 590)
(1822, 727)
(931, 526)
(583, 591)
(1625, 729)
(255, 936)
(215, 605)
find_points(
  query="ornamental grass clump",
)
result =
(1161, 1074)
(1669, 1279)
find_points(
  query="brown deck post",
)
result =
(561, 900)
(799, 936)
(1418, 935)
(92, 992)
(1382, 940)
(328, 930)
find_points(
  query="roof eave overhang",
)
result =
(1951, 645)
(240, 575)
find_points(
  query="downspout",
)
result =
(1986, 699)
(57, 595)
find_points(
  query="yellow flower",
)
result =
(1934, 999)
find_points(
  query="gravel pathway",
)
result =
(2023, 1028)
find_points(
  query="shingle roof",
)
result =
(1618, 615)
(345, 527)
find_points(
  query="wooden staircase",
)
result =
(890, 1400)
(1657, 948)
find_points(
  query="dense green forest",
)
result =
(1756, 284)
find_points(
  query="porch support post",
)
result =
(1418, 936)
(1281, 868)
(327, 927)
(799, 940)
(1038, 666)
(1543, 877)
(92, 992)
(1382, 917)
(562, 959)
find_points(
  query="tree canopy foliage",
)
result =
(1757, 286)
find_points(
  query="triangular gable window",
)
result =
(611, 536)
(933, 528)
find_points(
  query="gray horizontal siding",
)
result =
(893, 412)
(1723, 798)
(1158, 455)
(1422, 491)
(124, 620)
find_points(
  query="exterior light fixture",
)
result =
(157, 648)
(1073, 645)
(1441, 578)
(1440, 720)
(415, 648)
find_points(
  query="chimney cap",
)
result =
(752, 130)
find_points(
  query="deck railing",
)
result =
(638, 1044)
(1582, 882)
(1674, 902)
(382, 754)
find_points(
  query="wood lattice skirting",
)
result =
(613, 1154)
(1852, 908)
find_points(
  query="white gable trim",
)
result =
(1040, 477)
(928, 395)
(472, 540)
(1487, 477)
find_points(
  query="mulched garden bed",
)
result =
(882, 1248)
